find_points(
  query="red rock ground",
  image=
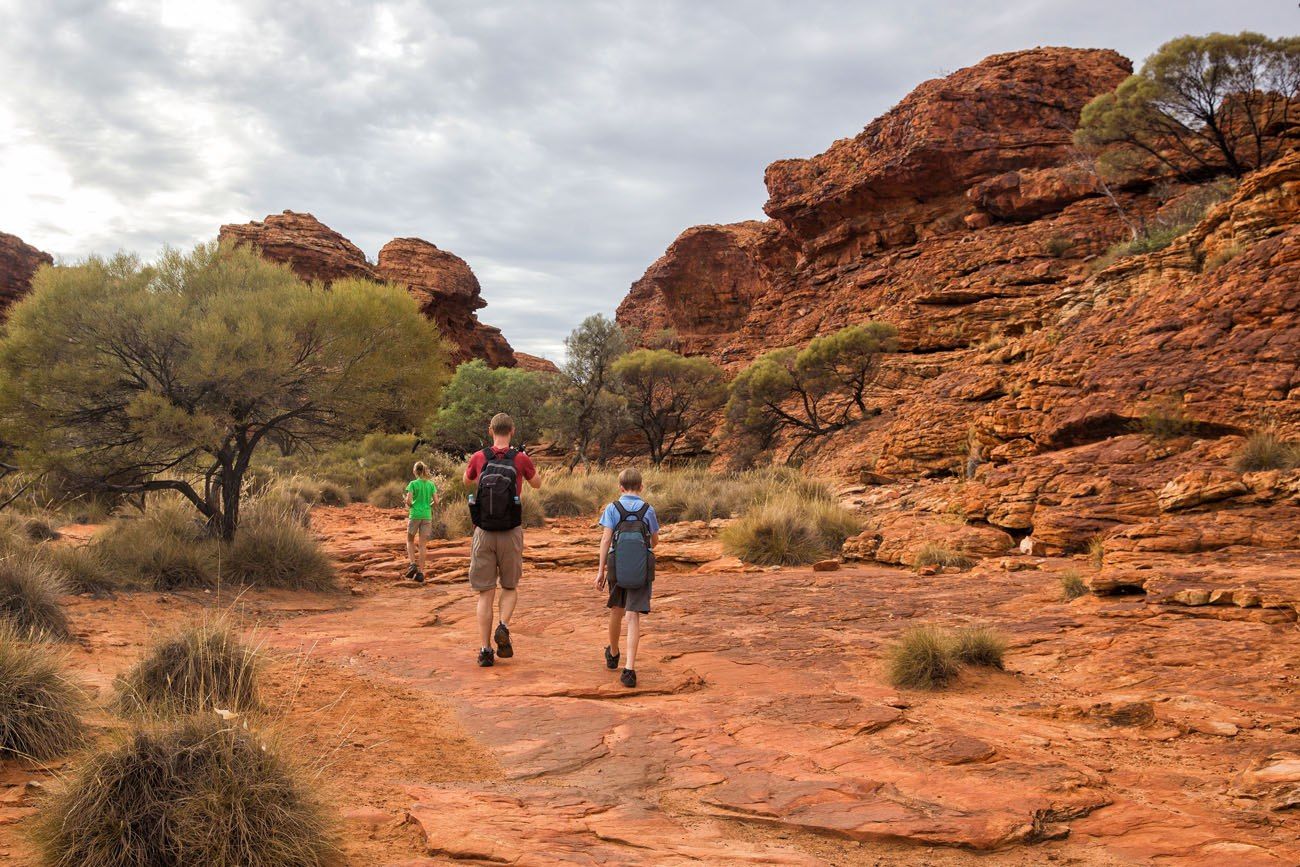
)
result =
(1127, 729)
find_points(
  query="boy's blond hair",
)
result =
(421, 470)
(630, 479)
(502, 424)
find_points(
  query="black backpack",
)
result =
(496, 505)
(633, 560)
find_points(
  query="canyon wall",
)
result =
(18, 263)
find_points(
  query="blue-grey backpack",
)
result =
(634, 560)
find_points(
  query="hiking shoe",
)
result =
(611, 659)
(485, 658)
(412, 571)
(628, 678)
(505, 649)
(418, 577)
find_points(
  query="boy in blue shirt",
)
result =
(632, 602)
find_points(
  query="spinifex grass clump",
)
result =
(925, 657)
(81, 567)
(200, 668)
(389, 495)
(38, 705)
(981, 645)
(934, 554)
(788, 531)
(272, 548)
(201, 791)
(29, 596)
(1072, 585)
(162, 548)
(1266, 450)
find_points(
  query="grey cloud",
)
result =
(558, 147)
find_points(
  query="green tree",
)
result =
(136, 378)
(1201, 103)
(586, 408)
(671, 399)
(812, 391)
(478, 392)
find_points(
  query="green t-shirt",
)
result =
(422, 491)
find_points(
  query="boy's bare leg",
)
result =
(633, 638)
(410, 549)
(508, 600)
(485, 599)
(615, 629)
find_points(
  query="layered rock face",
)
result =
(448, 293)
(958, 212)
(442, 283)
(18, 263)
(1016, 404)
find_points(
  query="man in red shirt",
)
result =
(497, 552)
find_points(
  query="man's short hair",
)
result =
(630, 479)
(502, 424)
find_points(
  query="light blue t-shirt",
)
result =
(631, 502)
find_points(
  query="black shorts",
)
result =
(637, 600)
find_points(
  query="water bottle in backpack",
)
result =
(633, 559)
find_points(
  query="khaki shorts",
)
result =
(496, 555)
(422, 527)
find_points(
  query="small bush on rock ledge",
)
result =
(1072, 586)
(981, 645)
(1266, 450)
(790, 531)
(934, 554)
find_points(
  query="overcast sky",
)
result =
(559, 147)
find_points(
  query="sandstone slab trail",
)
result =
(1158, 725)
(763, 730)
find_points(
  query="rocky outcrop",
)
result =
(449, 294)
(535, 363)
(441, 282)
(312, 249)
(18, 263)
(920, 220)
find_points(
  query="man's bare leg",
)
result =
(633, 638)
(485, 600)
(508, 600)
(615, 629)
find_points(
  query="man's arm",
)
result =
(529, 471)
(605, 539)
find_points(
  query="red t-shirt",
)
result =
(524, 468)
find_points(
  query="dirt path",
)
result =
(763, 731)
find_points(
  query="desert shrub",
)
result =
(567, 502)
(981, 645)
(200, 668)
(390, 495)
(453, 517)
(40, 530)
(934, 554)
(1097, 551)
(81, 567)
(1175, 221)
(789, 531)
(1057, 246)
(477, 392)
(29, 597)
(39, 705)
(1266, 450)
(1225, 255)
(274, 549)
(696, 495)
(534, 510)
(924, 657)
(1164, 418)
(1072, 585)
(577, 494)
(332, 494)
(200, 791)
(162, 548)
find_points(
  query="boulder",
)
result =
(18, 263)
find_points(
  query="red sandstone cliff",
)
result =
(963, 217)
(442, 283)
(18, 262)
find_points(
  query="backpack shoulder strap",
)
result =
(623, 513)
(640, 513)
(488, 455)
(510, 455)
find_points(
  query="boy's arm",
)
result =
(606, 538)
(654, 539)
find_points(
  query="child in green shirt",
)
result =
(421, 494)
